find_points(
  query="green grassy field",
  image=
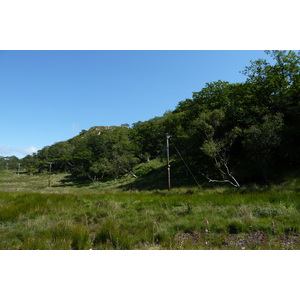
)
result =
(70, 215)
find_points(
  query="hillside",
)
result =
(228, 133)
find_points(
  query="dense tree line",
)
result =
(9, 163)
(229, 132)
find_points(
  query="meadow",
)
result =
(70, 215)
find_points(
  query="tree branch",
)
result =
(235, 183)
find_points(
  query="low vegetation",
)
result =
(69, 215)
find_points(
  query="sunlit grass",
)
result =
(65, 216)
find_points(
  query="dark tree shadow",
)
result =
(72, 181)
(158, 179)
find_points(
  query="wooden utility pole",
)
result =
(50, 172)
(19, 169)
(168, 160)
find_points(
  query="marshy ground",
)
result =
(72, 215)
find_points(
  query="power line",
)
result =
(186, 165)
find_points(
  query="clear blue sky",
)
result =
(50, 96)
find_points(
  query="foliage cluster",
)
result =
(9, 163)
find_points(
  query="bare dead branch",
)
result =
(235, 183)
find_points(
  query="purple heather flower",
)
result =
(154, 223)
(206, 243)
(207, 222)
(273, 224)
(206, 230)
